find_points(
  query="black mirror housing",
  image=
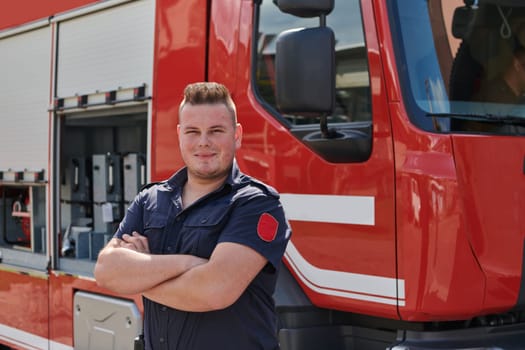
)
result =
(305, 70)
(305, 8)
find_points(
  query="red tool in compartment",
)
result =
(22, 214)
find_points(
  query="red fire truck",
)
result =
(394, 131)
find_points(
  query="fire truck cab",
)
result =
(393, 130)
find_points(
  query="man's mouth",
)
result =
(205, 155)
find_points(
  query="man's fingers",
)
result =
(135, 242)
(141, 242)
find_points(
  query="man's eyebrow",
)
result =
(215, 126)
(186, 127)
(221, 126)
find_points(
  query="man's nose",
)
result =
(204, 139)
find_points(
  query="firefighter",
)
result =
(203, 247)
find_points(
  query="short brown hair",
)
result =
(208, 93)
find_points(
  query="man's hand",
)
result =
(136, 242)
(117, 268)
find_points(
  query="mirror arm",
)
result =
(323, 123)
(325, 132)
(322, 20)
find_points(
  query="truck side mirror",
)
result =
(305, 70)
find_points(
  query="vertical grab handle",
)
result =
(142, 171)
(111, 175)
(76, 174)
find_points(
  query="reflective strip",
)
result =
(27, 340)
(59, 346)
(358, 210)
(345, 284)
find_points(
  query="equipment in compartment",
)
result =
(76, 189)
(22, 216)
(88, 243)
(16, 211)
(107, 191)
(134, 176)
(96, 190)
(80, 184)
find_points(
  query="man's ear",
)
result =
(238, 135)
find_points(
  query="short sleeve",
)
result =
(260, 224)
(133, 220)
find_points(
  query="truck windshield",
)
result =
(462, 67)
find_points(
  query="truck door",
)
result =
(338, 192)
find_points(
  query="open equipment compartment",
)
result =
(102, 168)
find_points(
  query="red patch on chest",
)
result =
(267, 227)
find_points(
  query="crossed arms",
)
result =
(180, 281)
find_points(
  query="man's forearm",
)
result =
(214, 285)
(127, 271)
(190, 291)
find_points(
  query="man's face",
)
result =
(208, 140)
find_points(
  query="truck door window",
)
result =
(353, 97)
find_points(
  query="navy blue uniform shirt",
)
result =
(243, 211)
